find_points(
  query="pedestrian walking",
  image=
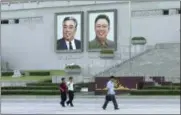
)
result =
(110, 94)
(63, 92)
(70, 86)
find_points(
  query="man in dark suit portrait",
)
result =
(68, 41)
(102, 27)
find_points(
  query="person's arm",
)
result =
(68, 83)
(108, 86)
(61, 89)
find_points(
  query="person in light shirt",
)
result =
(110, 94)
(70, 86)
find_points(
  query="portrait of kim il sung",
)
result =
(69, 32)
(102, 30)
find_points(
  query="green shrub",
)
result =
(46, 81)
(172, 85)
(7, 73)
(81, 84)
(138, 41)
(107, 51)
(72, 67)
(176, 84)
(162, 87)
(31, 88)
(45, 73)
(155, 92)
(42, 84)
(30, 92)
(55, 84)
(45, 86)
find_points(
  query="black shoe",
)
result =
(67, 103)
(104, 108)
(71, 105)
(63, 105)
(116, 108)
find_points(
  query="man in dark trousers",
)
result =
(70, 86)
(63, 92)
(110, 94)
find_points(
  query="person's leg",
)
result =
(114, 102)
(68, 102)
(64, 99)
(106, 102)
(71, 98)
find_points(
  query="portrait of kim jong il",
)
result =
(104, 32)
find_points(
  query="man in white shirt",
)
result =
(70, 86)
(110, 94)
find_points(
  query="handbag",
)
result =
(108, 97)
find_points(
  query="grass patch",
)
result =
(57, 72)
(35, 77)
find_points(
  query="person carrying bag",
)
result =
(110, 94)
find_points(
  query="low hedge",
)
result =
(72, 67)
(107, 51)
(176, 84)
(82, 84)
(42, 84)
(173, 85)
(57, 92)
(162, 87)
(46, 81)
(35, 73)
(31, 88)
(11, 73)
(155, 92)
(77, 88)
(55, 84)
(7, 73)
(43, 73)
(30, 92)
(138, 41)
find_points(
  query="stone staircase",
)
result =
(162, 60)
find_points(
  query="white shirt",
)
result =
(110, 87)
(70, 86)
(73, 44)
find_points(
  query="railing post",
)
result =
(130, 26)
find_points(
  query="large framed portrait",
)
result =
(69, 32)
(102, 30)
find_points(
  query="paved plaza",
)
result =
(87, 105)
